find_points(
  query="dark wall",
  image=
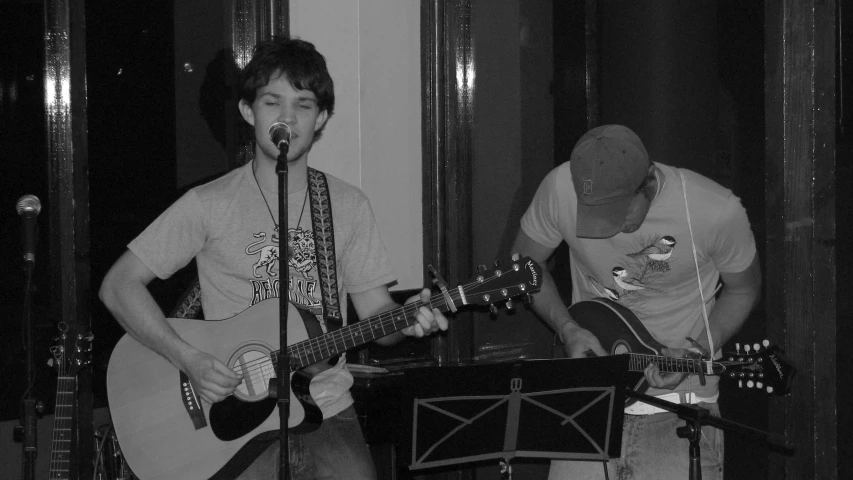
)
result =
(23, 156)
(131, 117)
(844, 232)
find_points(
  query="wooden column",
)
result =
(799, 270)
(65, 113)
(448, 95)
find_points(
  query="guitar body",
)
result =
(619, 331)
(149, 408)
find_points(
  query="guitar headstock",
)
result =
(520, 276)
(764, 369)
(73, 351)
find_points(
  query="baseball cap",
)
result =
(608, 163)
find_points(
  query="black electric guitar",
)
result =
(620, 332)
(71, 353)
(167, 432)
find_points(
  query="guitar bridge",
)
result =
(191, 403)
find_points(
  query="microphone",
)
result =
(28, 208)
(280, 136)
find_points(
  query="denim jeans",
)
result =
(651, 450)
(334, 451)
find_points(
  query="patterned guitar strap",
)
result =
(324, 247)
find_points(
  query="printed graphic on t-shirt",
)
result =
(303, 287)
(641, 272)
(265, 267)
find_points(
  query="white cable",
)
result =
(698, 275)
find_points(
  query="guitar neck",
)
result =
(640, 361)
(333, 343)
(60, 454)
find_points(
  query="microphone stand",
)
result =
(28, 419)
(282, 388)
(696, 416)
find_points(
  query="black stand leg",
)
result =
(30, 404)
(282, 390)
(693, 432)
(283, 374)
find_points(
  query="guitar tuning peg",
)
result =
(481, 268)
(516, 257)
(750, 384)
(740, 384)
(498, 263)
(50, 362)
(509, 305)
(527, 299)
(769, 389)
(766, 343)
(756, 347)
(759, 385)
(746, 349)
(493, 309)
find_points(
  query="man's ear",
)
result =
(321, 120)
(246, 112)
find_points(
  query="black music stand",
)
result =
(556, 409)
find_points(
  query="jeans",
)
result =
(334, 451)
(651, 450)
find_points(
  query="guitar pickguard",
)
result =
(233, 418)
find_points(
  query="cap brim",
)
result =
(602, 221)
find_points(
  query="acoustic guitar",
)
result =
(167, 432)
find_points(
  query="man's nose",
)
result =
(287, 116)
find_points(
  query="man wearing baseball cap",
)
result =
(656, 240)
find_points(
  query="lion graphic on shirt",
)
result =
(267, 256)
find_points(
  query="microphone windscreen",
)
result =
(28, 204)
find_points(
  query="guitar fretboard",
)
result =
(326, 346)
(639, 362)
(60, 454)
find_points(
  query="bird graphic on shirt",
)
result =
(659, 251)
(603, 291)
(620, 275)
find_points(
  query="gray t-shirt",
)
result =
(228, 226)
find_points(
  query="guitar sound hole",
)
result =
(257, 370)
(232, 418)
(620, 348)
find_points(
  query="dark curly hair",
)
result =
(297, 60)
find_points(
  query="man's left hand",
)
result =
(668, 380)
(429, 320)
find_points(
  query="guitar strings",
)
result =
(254, 369)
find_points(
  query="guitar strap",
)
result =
(324, 247)
(698, 275)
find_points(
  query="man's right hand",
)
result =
(211, 379)
(580, 342)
